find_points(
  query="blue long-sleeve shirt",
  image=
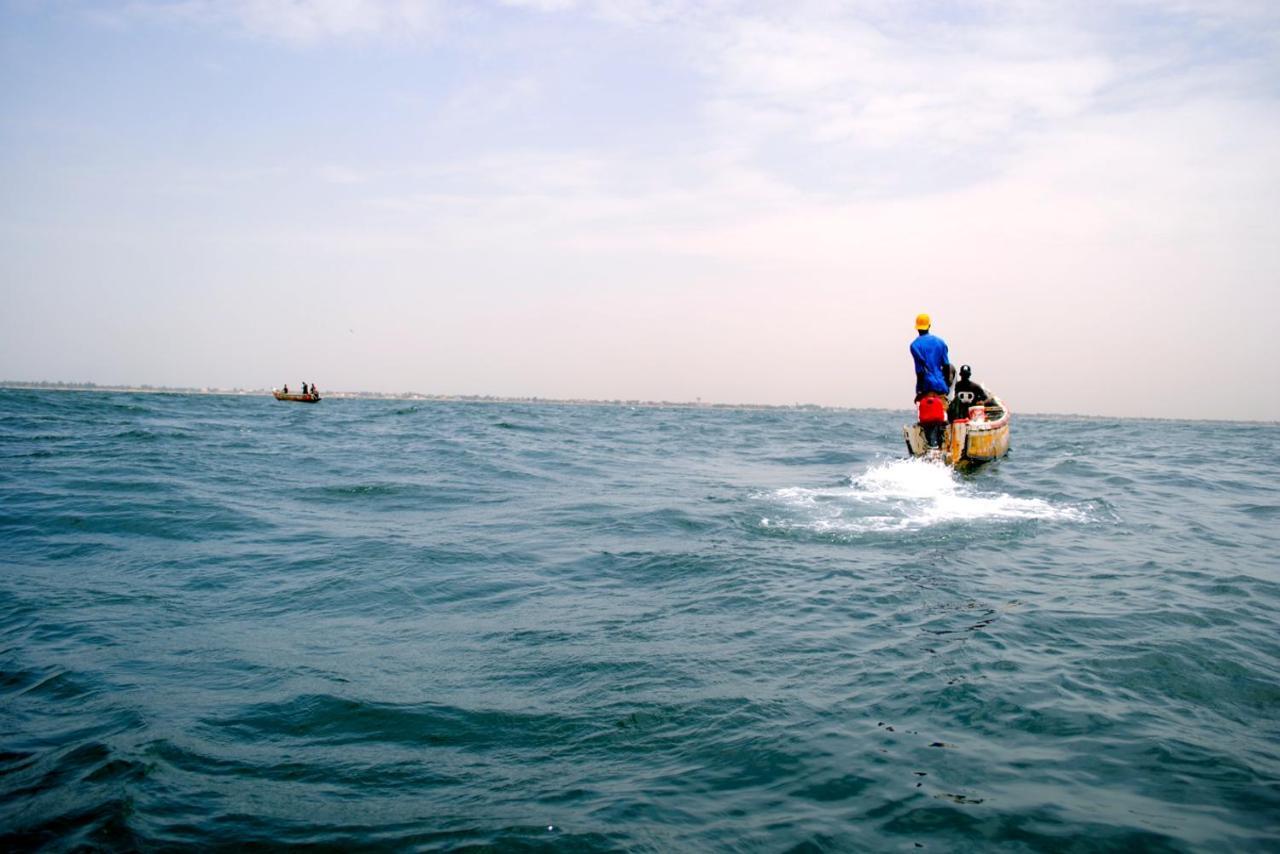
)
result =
(929, 352)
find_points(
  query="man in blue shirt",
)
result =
(933, 367)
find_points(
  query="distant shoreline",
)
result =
(413, 395)
(555, 401)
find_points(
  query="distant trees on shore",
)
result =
(409, 395)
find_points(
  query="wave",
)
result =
(514, 425)
(904, 495)
(327, 719)
(392, 495)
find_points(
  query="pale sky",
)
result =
(657, 199)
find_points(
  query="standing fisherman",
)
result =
(933, 367)
(933, 379)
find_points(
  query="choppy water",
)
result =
(227, 621)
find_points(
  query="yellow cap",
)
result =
(922, 322)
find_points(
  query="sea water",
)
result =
(227, 621)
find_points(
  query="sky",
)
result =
(649, 199)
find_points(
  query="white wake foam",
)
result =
(904, 495)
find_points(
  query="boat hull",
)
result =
(296, 398)
(981, 438)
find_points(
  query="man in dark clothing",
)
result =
(967, 393)
(933, 367)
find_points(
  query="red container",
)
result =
(933, 410)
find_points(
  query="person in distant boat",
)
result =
(304, 387)
(967, 393)
(932, 363)
(286, 388)
(314, 393)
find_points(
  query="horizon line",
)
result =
(58, 385)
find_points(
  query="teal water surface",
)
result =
(228, 621)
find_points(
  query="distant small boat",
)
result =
(296, 398)
(966, 442)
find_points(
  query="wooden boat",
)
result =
(296, 398)
(967, 442)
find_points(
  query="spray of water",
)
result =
(903, 495)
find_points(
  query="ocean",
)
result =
(228, 622)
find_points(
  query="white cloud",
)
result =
(851, 83)
(331, 173)
(541, 5)
(294, 21)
